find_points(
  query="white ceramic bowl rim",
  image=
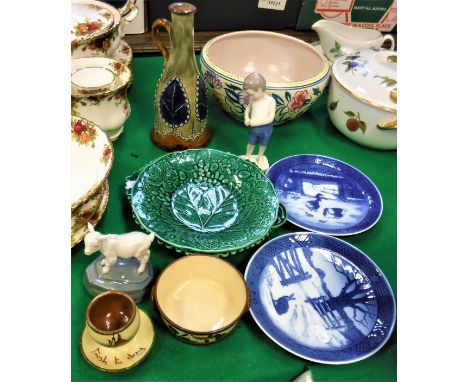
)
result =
(319, 77)
(92, 77)
(244, 309)
(90, 178)
(122, 77)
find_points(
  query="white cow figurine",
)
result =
(125, 246)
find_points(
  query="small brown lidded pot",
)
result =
(201, 298)
(112, 318)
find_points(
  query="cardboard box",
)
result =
(140, 23)
(230, 15)
(372, 14)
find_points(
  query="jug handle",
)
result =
(129, 10)
(390, 38)
(166, 24)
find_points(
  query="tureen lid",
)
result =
(92, 157)
(370, 76)
(98, 76)
(90, 19)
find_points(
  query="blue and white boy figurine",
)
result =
(259, 116)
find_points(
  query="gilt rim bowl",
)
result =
(204, 201)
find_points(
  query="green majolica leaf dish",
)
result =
(204, 201)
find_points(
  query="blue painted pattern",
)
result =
(173, 104)
(325, 195)
(320, 298)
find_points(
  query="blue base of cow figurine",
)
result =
(122, 277)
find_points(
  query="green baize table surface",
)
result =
(247, 354)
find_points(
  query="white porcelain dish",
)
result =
(362, 98)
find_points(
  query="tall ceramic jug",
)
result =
(181, 94)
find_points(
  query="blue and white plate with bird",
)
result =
(320, 298)
(325, 195)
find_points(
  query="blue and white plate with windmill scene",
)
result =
(325, 195)
(320, 298)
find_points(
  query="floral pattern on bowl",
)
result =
(355, 64)
(205, 201)
(97, 47)
(289, 104)
(87, 27)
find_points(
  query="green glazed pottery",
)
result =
(205, 201)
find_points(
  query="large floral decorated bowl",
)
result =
(204, 201)
(296, 72)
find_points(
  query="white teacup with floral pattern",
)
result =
(97, 27)
(99, 92)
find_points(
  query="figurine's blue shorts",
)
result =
(260, 135)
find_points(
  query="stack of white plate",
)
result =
(92, 157)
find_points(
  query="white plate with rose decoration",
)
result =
(92, 156)
(89, 212)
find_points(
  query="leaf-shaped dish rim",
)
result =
(189, 249)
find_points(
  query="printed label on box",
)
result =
(277, 5)
(341, 11)
(334, 5)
